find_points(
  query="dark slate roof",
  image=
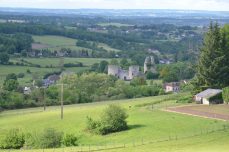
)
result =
(54, 78)
(209, 93)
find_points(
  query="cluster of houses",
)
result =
(203, 97)
(51, 80)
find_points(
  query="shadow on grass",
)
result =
(130, 127)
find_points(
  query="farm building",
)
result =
(172, 87)
(204, 97)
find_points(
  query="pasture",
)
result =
(43, 62)
(39, 72)
(114, 24)
(55, 61)
(146, 124)
(55, 43)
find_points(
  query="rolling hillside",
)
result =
(182, 132)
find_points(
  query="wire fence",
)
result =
(134, 143)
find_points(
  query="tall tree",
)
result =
(212, 70)
(4, 58)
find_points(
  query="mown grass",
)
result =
(144, 123)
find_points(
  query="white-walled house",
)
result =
(172, 87)
(203, 97)
(27, 90)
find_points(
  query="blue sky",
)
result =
(217, 5)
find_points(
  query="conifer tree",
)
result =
(212, 68)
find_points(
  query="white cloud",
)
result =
(220, 5)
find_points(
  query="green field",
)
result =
(40, 72)
(114, 24)
(146, 125)
(55, 61)
(43, 62)
(22, 69)
(57, 42)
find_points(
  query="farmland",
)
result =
(215, 112)
(153, 124)
(114, 24)
(57, 42)
(43, 62)
(55, 61)
(54, 43)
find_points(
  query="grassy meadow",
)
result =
(43, 62)
(57, 42)
(146, 124)
(114, 24)
(55, 61)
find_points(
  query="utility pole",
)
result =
(44, 99)
(62, 102)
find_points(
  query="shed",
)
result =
(203, 97)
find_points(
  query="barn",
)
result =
(204, 97)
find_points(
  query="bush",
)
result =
(10, 85)
(32, 140)
(91, 125)
(73, 65)
(226, 95)
(113, 119)
(21, 75)
(185, 99)
(70, 140)
(50, 138)
(28, 71)
(150, 75)
(13, 139)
